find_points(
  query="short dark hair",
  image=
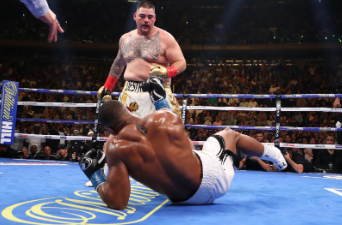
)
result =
(111, 112)
(146, 4)
(258, 132)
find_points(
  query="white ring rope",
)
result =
(57, 137)
(58, 104)
(260, 109)
(294, 145)
(265, 109)
(86, 138)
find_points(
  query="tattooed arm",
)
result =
(118, 64)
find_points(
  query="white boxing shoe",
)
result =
(273, 154)
(89, 184)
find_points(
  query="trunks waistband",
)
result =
(134, 86)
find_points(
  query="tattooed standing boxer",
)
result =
(146, 51)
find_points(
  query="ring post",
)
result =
(185, 103)
(96, 121)
(277, 121)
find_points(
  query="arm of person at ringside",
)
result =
(40, 9)
(241, 163)
(264, 165)
(174, 54)
(37, 7)
(116, 190)
(274, 168)
(337, 103)
(299, 168)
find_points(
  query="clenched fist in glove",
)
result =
(162, 72)
(155, 87)
(105, 91)
(104, 94)
(91, 164)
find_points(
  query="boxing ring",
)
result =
(53, 192)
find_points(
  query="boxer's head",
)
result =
(114, 116)
(145, 17)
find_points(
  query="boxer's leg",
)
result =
(251, 147)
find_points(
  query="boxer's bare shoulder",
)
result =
(133, 137)
(165, 36)
(167, 126)
(164, 118)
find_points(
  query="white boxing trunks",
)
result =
(217, 175)
(136, 100)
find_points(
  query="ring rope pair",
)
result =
(319, 129)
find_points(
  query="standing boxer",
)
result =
(146, 51)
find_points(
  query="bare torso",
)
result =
(141, 52)
(159, 157)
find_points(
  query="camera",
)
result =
(77, 146)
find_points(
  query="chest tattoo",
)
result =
(142, 47)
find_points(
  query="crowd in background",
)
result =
(198, 22)
(223, 76)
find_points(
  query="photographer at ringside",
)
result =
(77, 147)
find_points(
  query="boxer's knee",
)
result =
(231, 137)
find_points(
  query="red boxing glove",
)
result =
(171, 71)
(110, 82)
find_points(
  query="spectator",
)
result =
(25, 152)
(218, 121)
(33, 152)
(7, 152)
(274, 88)
(252, 103)
(208, 119)
(259, 136)
(230, 119)
(244, 103)
(47, 154)
(63, 152)
(329, 159)
(39, 143)
(19, 142)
